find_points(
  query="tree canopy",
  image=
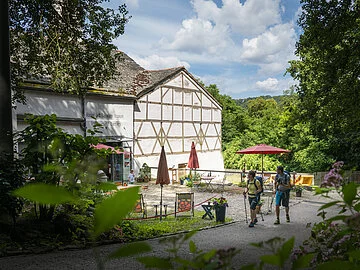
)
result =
(328, 71)
(67, 43)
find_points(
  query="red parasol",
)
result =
(262, 149)
(104, 146)
(162, 175)
(193, 159)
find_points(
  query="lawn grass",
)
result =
(150, 228)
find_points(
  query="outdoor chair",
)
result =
(140, 206)
(184, 202)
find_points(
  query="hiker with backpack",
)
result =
(282, 188)
(253, 189)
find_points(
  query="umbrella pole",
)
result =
(161, 187)
(262, 166)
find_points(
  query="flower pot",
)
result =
(298, 193)
(220, 213)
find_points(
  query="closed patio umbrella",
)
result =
(162, 175)
(262, 149)
(193, 162)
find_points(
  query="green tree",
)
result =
(65, 43)
(328, 72)
(51, 155)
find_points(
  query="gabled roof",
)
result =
(133, 79)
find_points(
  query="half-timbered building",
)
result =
(140, 111)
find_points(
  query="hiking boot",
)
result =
(287, 218)
(277, 222)
(255, 221)
(251, 224)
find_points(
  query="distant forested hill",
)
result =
(243, 101)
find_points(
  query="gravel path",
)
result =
(232, 193)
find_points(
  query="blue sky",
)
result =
(241, 46)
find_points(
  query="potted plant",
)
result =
(182, 180)
(298, 190)
(220, 204)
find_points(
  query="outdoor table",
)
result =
(207, 208)
(207, 180)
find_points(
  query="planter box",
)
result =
(220, 212)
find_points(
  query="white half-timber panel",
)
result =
(217, 115)
(146, 129)
(206, 101)
(188, 113)
(197, 114)
(141, 114)
(167, 112)
(177, 112)
(211, 142)
(176, 145)
(188, 83)
(211, 131)
(178, 96)
(42, 103)
(206, 114)
(188, 97)
(154, 111)
(155, 96)
(176, 129)
(167, 95)
(197, 98)
(177, 81)
(189, 130)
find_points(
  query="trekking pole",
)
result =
(261, 214)
(246, 219)
(272, 200)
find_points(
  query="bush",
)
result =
(11, 178)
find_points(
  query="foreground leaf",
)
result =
(271, 259)
(335, 265)
(285, 250)
(350, 191)
(155, 262)
(303, 261)
(327, 205)
(45, 194)
(112, 210)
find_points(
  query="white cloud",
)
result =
(269, 85)
(157, 62)
(271, 50)
(250, 18)
(132, 3)
(199, 36)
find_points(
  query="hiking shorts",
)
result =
(282, 198)
(253, 202)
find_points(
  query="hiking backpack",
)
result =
(261, 183)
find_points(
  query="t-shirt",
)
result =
(283, 181)
(252, 187)
(131, 177)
